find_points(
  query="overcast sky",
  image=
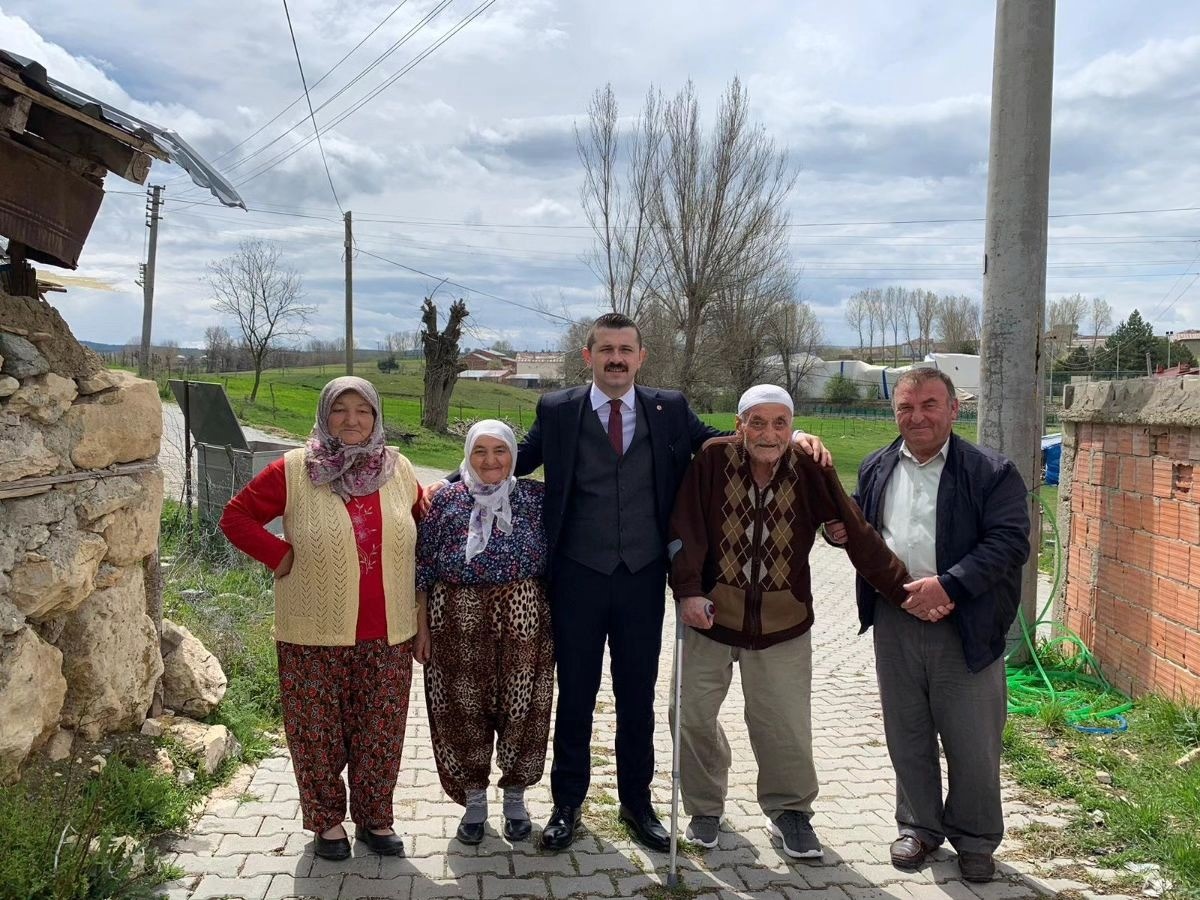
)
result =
(465, 166)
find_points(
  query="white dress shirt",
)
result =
(909, 523)
(600, 403)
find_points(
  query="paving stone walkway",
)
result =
(249, 843)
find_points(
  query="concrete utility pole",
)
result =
(154, 203)
(349, 296)
(1014, 263)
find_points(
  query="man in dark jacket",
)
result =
(957, 515)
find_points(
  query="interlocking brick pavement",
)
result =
(257, 849)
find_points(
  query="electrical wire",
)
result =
(542, 312)
(312, 115)
(315, 85)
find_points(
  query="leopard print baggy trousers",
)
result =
(490, 677)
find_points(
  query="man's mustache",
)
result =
(616, 367)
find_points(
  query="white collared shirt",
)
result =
(600, 403)
(909, 523)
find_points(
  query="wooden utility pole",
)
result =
(1014, 269)
(152, 216)
(349, 296)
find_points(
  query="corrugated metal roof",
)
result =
(174, 147)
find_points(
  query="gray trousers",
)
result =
(927, 692)
(777, 689)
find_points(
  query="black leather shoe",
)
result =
(977, 867)
(383, 844)
(646, 828)
(470, 833)
(517, 829)
(332, 848)
(908, 852)
(559, 832)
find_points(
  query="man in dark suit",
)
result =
(957, 515)
(614, 455)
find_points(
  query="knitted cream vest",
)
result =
(317, 602)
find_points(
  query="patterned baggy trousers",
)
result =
(345, 708)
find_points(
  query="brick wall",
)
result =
(1130, 521)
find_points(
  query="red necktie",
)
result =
(616, 432)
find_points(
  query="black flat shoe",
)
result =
(646, 828)
(559, 832)
(332, 848)
(517, 829)
(470, 833)
(383, 844)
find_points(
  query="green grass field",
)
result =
(287, 402)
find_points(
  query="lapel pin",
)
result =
(659, 407)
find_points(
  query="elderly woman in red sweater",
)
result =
(345, 610)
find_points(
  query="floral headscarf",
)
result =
(491, 500)
(350, 470)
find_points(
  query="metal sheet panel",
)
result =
(209, 416)
(44, 205)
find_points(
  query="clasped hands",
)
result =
(927, 599)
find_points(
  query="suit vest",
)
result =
(611, 518)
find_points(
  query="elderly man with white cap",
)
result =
(741, 531)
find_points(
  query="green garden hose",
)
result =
(1076, 685)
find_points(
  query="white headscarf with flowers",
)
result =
(492, 504)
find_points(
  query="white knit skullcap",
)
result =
(764, 393)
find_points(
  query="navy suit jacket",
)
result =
(675, 434)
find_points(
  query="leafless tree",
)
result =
(958, 323)
(719, 214)
(740, 325)
(924, 310)
(896, 314)
(618, 195)
(795, 335)
(442, 363)
(219, 348)
(1101, 318)
(1063, 316)
(856, 317)
(262, 297)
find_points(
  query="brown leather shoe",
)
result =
(977, 867)
(909, 852)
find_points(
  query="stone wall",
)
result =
(1129, 515)
(80, 501)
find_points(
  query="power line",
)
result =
(316, 84)
(311, 114)
(287, 154)
(463, 287)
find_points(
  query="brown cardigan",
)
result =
(747, 550)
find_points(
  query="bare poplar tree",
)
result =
(262, 296)
(896, 316)
(958, 323)
(924, 310)
(719, 215)
(442, 363)
(1101, 318)
(617, 196)
(218, 347)
(795, 335)
(856, 317)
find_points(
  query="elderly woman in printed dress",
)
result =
(345, 610)
(489, 668)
